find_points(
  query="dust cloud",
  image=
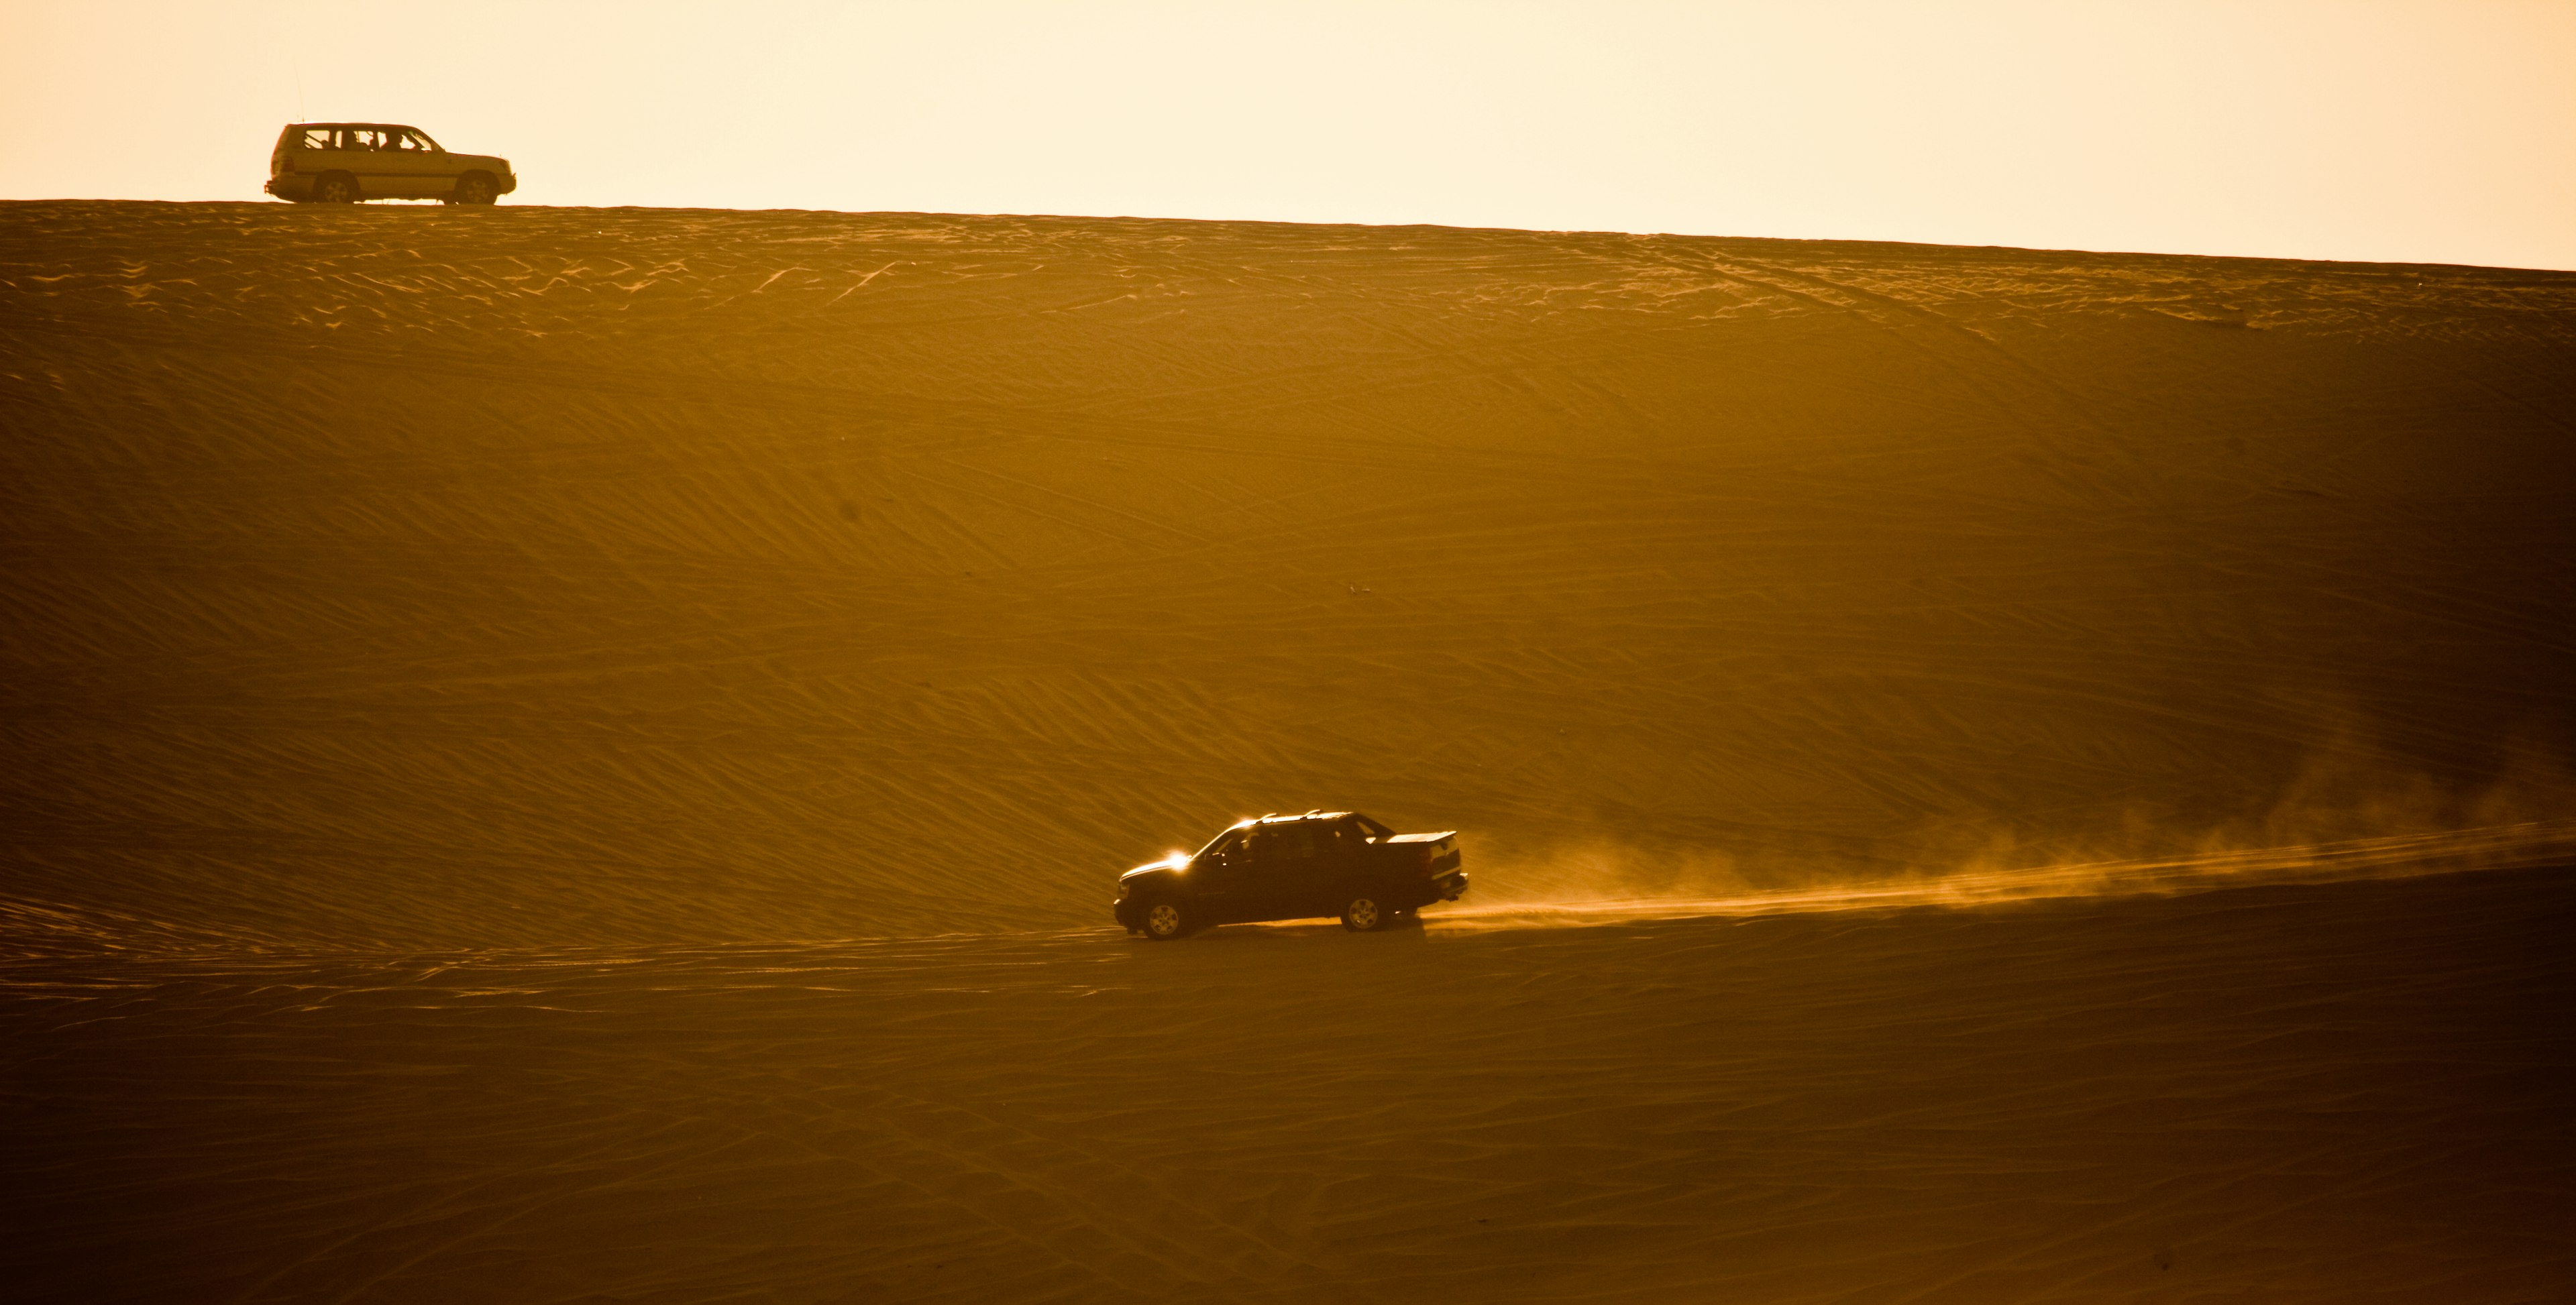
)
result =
(1596, 887)
(2348, 813)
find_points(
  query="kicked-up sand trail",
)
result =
(565, 755)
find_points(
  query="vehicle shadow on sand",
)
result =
(1403, 929)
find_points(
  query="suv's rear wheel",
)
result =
(1165, 921)
(475, 188)
(1364, 914)
(336, 188)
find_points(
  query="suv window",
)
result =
(413, 140)
(317, 138)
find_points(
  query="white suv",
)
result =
(344, 162)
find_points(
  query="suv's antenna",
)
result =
(299, 86)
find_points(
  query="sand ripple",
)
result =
(2312, 1092)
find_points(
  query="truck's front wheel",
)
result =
(1165, 921)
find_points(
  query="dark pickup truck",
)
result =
(1290, 868)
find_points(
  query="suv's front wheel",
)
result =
(1165, 921)
(475, 188)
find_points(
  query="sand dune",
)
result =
(443, 579)
(561, 755)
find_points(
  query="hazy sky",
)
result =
(2436, 132)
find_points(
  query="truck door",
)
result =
(1274, 860)
(1222, 877)
(1345, 845)
(1307, 874)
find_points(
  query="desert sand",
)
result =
(561, 755)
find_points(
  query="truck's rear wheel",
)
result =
(1363, 914)
(1165, 921)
